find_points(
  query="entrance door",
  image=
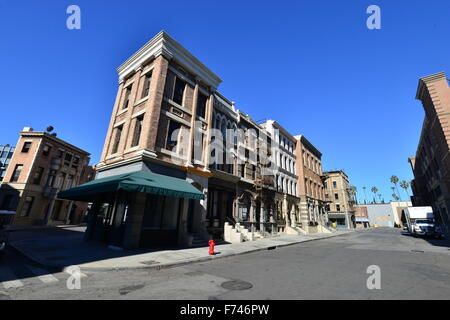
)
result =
(117, 227)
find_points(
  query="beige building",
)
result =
(340, 205)
(41, 166)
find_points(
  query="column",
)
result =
(153, 104)
(262, 218)
(135, 216)
(206, 150)
(193, 127)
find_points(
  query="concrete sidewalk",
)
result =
(63, 251)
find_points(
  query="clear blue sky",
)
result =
(311, 65)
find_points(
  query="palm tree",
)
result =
(379, 197)
(374, 190)
(352, 193)
(394, 180)
(396, 198)
(365, 196)
(405, 185)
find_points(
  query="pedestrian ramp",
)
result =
(13, 278)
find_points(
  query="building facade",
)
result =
(340, 205)
(431, 164)
(6, 153)
(310, 189)
(40, 167)
(169, 119)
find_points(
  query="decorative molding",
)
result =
(163, 44)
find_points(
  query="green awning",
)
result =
(138, 181)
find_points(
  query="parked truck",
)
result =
(420, 221)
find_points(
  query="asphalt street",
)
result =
(335, 268)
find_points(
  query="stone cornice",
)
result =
(163, 44)
(52, 138)
(426, 80)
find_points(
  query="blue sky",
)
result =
(311, 65)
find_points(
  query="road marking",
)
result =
(81, 274)
(43, 275)
(12, 284)
(7, 273)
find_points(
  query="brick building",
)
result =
(41, 166)
(170, 122)
(431, 164)
(313, 214)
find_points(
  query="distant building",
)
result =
(310, 186)
(40, 167)
(340, 205)
(361, 217)
(431, 164)
(382, 214)
(6, 153)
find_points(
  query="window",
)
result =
(338, 207)
(60, 154)
(137, 130)
(326, 195)
(334, 184)
(6, 204)
(201, 105)
(147, 81)
(117, 139)
(178, 92)
(38, 175)
(27, 205)
(16, 172)
(46, 150)
(127, 97)
(76, 160)
(325, 185)
(68, 157)
(336, 196)
(26, 147)
(173, 126)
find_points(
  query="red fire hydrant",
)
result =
(211, 247)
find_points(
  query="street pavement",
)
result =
(332, 268)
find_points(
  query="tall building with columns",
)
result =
(198, 167)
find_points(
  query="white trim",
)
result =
(131, 149)
(176, 105)
(176, 118)
(121, 112)
(137, 114)
(140, 101)
(119, 123)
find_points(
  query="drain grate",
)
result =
(127, 290)
(150, 262)
(236, 285)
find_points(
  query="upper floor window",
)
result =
(338, 207)
(147, 81)
(336, 196)
(16, 172)
(170, 143)
(334, 184)
(26, 147)
(126, 100)
(27, 205)
(116, 142)
(137, 130)
(178, 92)
(38, 175)
(46, 150)
(201, 105)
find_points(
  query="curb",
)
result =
(171, 264)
